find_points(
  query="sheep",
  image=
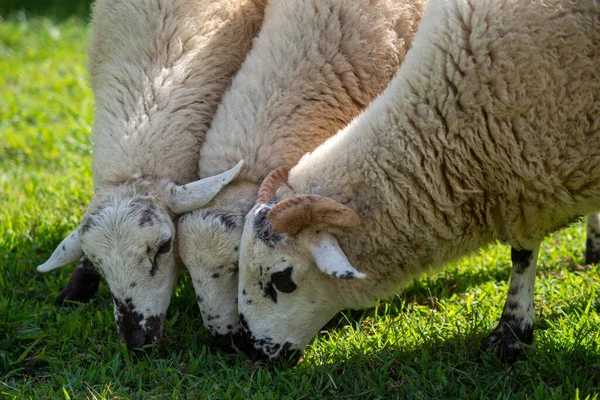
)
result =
(490, 130)
(158, 70)
(313, 67)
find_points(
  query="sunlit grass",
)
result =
(422, 344)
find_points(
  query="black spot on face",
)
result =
(269, 291)
(283, 280)
(228, 220)
(88, 223)
(521, 259)
(265, 349)
(131, 330)
(216, 275)
(147, 217)
(263, 230)
(154, 267)
(133, 284)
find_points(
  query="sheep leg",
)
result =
(592, 245)
(516, 324)
(82, 285)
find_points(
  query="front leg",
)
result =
(82, 285)
(516, 324)
(592, 244)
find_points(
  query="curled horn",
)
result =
(277, 178)
(290, 216)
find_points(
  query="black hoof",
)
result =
(506, 342)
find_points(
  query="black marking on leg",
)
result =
(263, 229)
(283, 280)
(82, 286)
(133, 284)
(521, 259)
(592, 254)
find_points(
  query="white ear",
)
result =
(188, 197)
(330, 258)
(68, 251)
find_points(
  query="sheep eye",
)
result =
(282, 280)
(164, 247)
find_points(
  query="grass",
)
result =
(422, 344)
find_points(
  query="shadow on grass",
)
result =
(54, 9)
(456, 368)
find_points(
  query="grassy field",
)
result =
(422, 344)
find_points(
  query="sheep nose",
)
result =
(226, 342)
(252, 352)
(135, 336)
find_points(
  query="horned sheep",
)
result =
(313, 67)
(489, 131)
(158, 70)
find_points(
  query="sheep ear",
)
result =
(188, 197)
(68, 251)
(330, 258)
(290, 216)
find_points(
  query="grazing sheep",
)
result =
(159, 69)
(489, 131)
(313, 67)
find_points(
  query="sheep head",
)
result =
(128, 233)
(291, 267)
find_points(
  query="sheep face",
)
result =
(290, 285)
(129, 238)
(130, 242)
(208, 247)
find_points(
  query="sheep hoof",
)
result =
(506, 341)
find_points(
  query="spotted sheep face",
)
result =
(130, 242)
(209, 246)
(289, 283)
(129, 238)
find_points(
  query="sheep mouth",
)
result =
(135, 329)
(146, 331)
(227, 342)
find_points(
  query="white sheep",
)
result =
(158, 70)
(313, 67)
(489, 131)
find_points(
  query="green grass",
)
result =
(422, 344)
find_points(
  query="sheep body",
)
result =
(489, 131)
(313, 67)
